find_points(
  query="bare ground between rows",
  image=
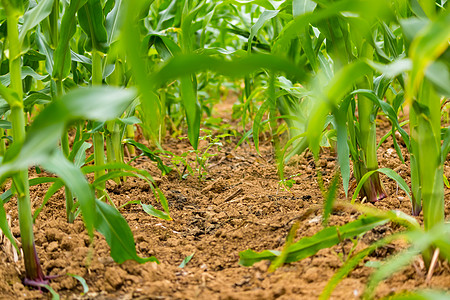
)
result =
(238, 206)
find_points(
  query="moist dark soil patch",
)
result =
(239, 205)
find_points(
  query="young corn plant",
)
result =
(14, 97)
(428, 154)
(427, 140)
(348, 40)
(39, 148)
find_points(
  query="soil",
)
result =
(239, 205)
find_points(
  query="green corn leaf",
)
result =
(35, 98)
(80, 155)
(309, 246)
(130, 120)
(428, 7)
(38, 148)
(62, 55)
(187, 64)
(46, 50)
(342, 143)
(82, 281)
(40, 180)
(112, 166)
(149, 209)
(389, 173)
(6, 196)
(290, 31)
(5, 227)
(188, 82)
(306, 42)
(114, 21)
(281, 258)
(9, 96)
(265, 16)
(392, 69)
(99, 103)
(412, 26)
(91, 20)
(429, 43)
(445, 145)
(162, 200)
(166, 47)
(315, 127)
(352, 263)
(247, 135)
(129, 171)
(345, 79)
(99, 182)
(55, 295)
(111, 224)
(301, 144)
(438, 74)
(301, 7)
(131, 43)
(186, 260)
(5, 124)
(419, 295)
(334, 93)
(26, 71)
(34, 16)
(17, 6)
(420, 241)
(447, 184)
(267, 4)
(249, 257)
(81, 59)
(147, 152)
(331, 236)
(74, 179)
(389, 111)
(192, 108)
(186, 26)
(257, 123)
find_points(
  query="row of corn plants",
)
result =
(379, 57)
(97, 70)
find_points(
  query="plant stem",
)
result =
(97, 72)
(130, 135)
(65, 147)
(53, 20)
(114, 149)
(113, 145)
(14, 56)
(2, 144)
(97, 138)
(373, 188)
(33, 270)
(99, 159)
(430, 165)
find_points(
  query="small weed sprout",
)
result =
(195, 162)
(343, 256)
(286, 184)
